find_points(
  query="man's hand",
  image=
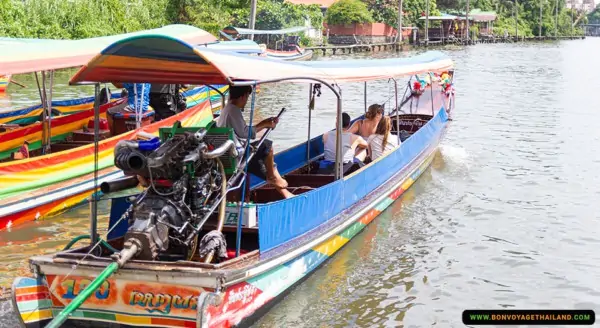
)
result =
(270, 122)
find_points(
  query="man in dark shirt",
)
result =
(262, 164)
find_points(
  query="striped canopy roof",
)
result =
(33, 55)
(163, 59)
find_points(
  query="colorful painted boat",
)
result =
(21, 55)
(4, 81)
(293, 236)
(288, 48)
(38, 187)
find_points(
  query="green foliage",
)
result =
(414, 9)
(77, 19)
(384, 11)
(594, 16)
(348, 12)
(528, 12)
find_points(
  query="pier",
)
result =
(359, 47)
(364, 47)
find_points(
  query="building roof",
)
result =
(321, 3)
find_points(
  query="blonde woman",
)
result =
(368, 125)
(382, 141)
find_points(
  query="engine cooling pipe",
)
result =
(126, 144)
(119, 184)
(220, 151)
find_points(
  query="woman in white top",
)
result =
(382, 141)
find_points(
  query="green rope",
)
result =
(78, 238)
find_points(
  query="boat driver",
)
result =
(262, 163)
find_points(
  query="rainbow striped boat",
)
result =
(4, 81)
(292, 237)
(24, 182)
(38, 187)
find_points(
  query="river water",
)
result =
(504, 218)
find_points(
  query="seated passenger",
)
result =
(350, 142)
(382, 141)
(23, 152)
(367, 126)
(262, 164)
(142, 91)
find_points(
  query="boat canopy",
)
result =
(443, 17)
(164, 59)
(232, 30)
(239, 46)
(34, 55)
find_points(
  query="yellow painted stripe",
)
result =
(35, 316)
(27, 176)
(66, 204)
(56, 130)
(33, 113)
(130, 319)
(407, 184)
(330, 246)
(73, 108)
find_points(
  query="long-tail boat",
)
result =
(285, 49)
(170, 258)
(4, 81)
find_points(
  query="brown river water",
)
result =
(504, 218)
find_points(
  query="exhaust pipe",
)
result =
(119, 184)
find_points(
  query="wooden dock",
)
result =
(360, 47)
(496, 39)
(351, 48)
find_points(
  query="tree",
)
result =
(594, 16)
(348, 12)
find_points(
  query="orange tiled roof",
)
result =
(322, 3)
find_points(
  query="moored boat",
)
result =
(274, 243)
(29, 190)
(285, 49)
(4, 81)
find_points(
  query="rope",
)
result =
(124, 216)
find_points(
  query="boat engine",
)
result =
(185, 183)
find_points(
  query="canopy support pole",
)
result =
(339, 171)
(310, 108)
(365, 97)
(93, 200)
(49, 107)
(42, 100)
(397, 109)
(431, 89)
(238, 242)
(45, 114)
